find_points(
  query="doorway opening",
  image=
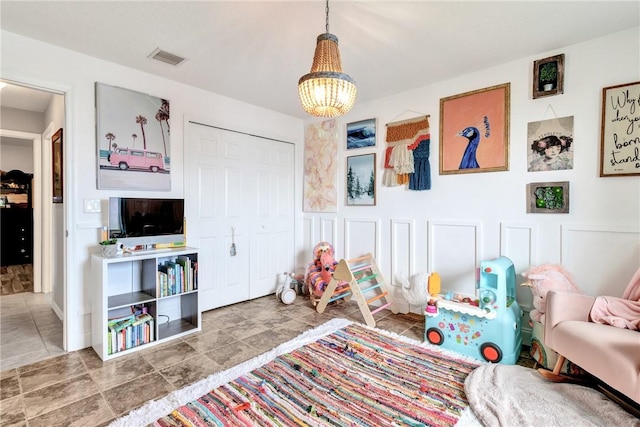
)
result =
(32, 271)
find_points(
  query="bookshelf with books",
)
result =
(143, 299)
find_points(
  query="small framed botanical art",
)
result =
(361, 180)
(548, 197)
(548, 76)
(361, 134)
(474, 131)
(620, 133)
(56, 166)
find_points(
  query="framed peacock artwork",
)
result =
(474, 131)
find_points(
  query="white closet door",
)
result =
(272, 227)
(239, 192)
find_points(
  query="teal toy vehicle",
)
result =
(486, 326)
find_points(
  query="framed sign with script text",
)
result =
(620, 132)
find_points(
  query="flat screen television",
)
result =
(142, 221)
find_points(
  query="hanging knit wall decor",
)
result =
(407, 154)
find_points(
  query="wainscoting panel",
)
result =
(454, 252)
(305, 256)
(361, 236)
(519, 243)
(601, 259)
(328, 231)
(402, 259)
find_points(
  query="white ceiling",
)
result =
(256, 51)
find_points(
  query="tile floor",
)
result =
(16, 278)
(77, 388)
(29, 329)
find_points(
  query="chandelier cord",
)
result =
(326, 11)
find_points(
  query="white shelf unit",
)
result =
(122, 282)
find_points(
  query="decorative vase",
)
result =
(109, 251)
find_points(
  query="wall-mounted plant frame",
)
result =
(361, 180)
(619, 134)
(361, 134)
(548, 76)
(56, 166)
(548, 197)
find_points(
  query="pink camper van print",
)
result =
(126, 158)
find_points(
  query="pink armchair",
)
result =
(609, 353)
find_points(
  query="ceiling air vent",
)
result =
(164, 56)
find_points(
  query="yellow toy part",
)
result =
(434, 284)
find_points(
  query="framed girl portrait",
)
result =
(550, 144)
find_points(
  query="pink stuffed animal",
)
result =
(327, 265)
(545, 278)
(320, 270)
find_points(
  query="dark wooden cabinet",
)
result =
(17, 236)
(16, 218)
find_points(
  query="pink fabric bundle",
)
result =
(620, 312)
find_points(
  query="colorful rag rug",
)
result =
(353, 376)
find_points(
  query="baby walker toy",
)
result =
(487, 326)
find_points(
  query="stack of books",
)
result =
(129, 331)
(178, 276)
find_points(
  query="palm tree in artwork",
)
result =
(160, 116)
(110, 137)
(143, 121)
(134, 136)
(164, 107)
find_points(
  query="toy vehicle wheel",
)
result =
(435, 336)
(123, 166)
(154, 169)
(491, 352)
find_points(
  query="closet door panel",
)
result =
(240, 189)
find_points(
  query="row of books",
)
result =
(178, 276)
(130, 331)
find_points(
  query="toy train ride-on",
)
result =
(486, 326)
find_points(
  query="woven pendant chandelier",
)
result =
(326, 91)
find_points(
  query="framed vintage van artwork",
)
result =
(474, 131)
(620, 130)
(132, 139)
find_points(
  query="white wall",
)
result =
(462, 220)
(32, 62)
(466, 218)
(54, 114)
(22, 120)
(16, 156)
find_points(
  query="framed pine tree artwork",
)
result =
(361, 180)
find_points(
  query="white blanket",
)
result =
(512, 395)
